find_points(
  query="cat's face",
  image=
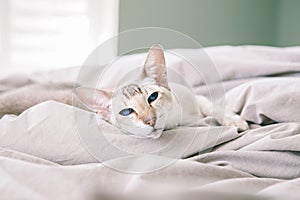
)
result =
(139, 108)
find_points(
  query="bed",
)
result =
(42, 156)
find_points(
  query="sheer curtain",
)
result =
(47, 34)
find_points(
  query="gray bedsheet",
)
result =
(43, 157)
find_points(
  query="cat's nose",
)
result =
(150, 122)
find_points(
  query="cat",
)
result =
(149, 105)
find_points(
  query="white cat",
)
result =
(150, 104)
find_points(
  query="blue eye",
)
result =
(126, 112)
(152, 97)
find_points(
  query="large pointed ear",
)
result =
(96, 100)
(154, 69)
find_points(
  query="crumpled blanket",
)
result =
(46, 155)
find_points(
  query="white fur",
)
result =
(175, 105)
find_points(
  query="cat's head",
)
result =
(139, 108)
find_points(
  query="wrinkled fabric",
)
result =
(44, 156)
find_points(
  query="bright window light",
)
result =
(48, 34)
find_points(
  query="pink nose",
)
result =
(150, 122)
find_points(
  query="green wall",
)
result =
(219, 22)
(288, 33)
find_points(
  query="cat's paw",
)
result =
(236, 121)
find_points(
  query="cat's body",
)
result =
(150, 104)
(187, 105)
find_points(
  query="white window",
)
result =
(47, 34)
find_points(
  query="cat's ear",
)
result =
(96, 100)
(154, 69)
